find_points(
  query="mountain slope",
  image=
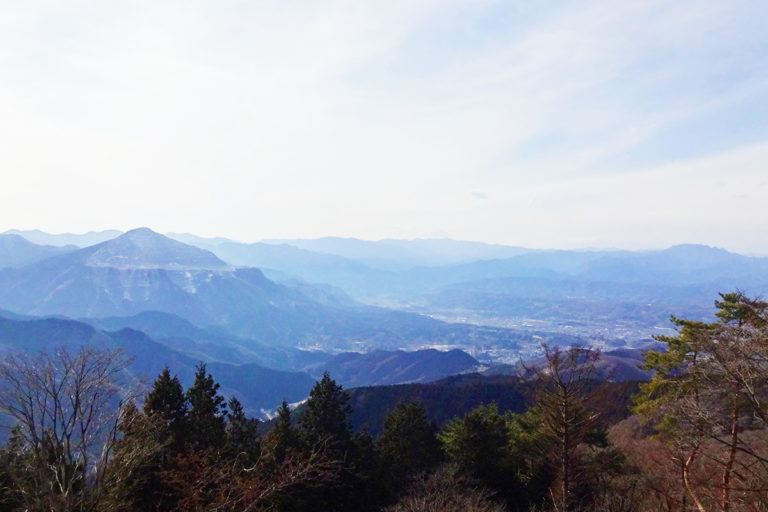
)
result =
(209, 344)
(63, 239)
(17, 251)
(620, 365)
(141, 271)
(456, 396)
(380, 367)
(257, 387)
(144, 271)
(397, 254)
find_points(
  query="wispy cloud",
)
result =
(373, 119)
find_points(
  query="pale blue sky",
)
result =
(567, 124)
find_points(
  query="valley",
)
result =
(371, 313)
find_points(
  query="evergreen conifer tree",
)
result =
(283, 433)
(409, 442)
(478, 442)
(243, 440)
(167, 407)
(207, 411)
(326, 418)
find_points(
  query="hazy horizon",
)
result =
(274, 240)
(632, 125)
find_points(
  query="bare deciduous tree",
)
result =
(65, 405)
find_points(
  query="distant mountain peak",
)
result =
(144, 248)
(700, 253)
(142, 231)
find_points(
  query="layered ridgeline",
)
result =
(164, 302)
(386, 254)
(348, 368)
(65, 239)
(258, 386)
(455, 396)
(262, 389)
(612, 294)
(17, 251)
(614, 297)
(144, 271)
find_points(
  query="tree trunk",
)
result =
(725, 499)
(687, 481)
(565, 461)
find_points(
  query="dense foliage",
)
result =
(698, 438)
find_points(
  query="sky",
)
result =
(632, 124)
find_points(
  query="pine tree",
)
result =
(326, 418)
(708, 387)
(283, 435)
(409, 443)
(141, 455)
(478, 442)
(207, 412)
(167, 407)
(243, 440)
(15, 465)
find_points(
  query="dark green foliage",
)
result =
(14, 458)
(478, 442)
(283, 435)
(243, 439)
(183, 452)
(409, 443)
(608, 480)
(167, 406)
(443, 400)
(142, 453)
(207, 411)
(369, 472)
(325, 425)
(531, 474)
(326, 416)
(28, 477)
(503, 452)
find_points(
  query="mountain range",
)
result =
(271, 317)
(606, 296)
(17, 251)
(257, 387)
(65, 239)
(144, 271)
(260, 388)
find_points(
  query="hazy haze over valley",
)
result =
(497, 303)
(384, 256)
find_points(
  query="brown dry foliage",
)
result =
(445, 490)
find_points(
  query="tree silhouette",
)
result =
(207, 411)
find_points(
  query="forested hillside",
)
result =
(558, 437)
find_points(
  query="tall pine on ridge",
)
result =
(207, 412)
